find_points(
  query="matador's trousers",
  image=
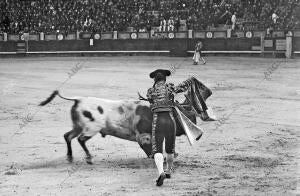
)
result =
(163, 127)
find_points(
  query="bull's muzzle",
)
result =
(144, 140)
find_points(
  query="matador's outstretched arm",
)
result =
(183, 86)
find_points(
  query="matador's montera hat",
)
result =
(163, 71)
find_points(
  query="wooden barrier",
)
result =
(11, 37)
(176, 42)
(70, 36)
(34, 37)
(125, 35)
(143, 35)
(49, 37)
(108, 35)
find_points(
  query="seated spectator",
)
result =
(48, 16)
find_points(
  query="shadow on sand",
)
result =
(62, 163)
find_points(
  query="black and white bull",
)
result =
(129, 120)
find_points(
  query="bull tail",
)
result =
(53, 95)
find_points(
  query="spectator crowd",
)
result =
(33, 16)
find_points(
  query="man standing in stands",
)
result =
(233, 21)
(171, 24)
(197, 54)
(163, 25)
(274, 18)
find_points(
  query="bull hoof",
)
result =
(175, 155)
(89, 160)
(69, 158)
(102, 134)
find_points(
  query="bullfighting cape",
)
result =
(192, 131)
(195, 97)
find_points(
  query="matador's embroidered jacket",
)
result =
(161, 96)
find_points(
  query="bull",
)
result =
(125, 119)
(129, 120)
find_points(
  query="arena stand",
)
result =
(135, 26)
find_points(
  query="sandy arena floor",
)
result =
(252, 150)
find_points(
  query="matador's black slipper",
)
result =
(161, 178)
(169, 172)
